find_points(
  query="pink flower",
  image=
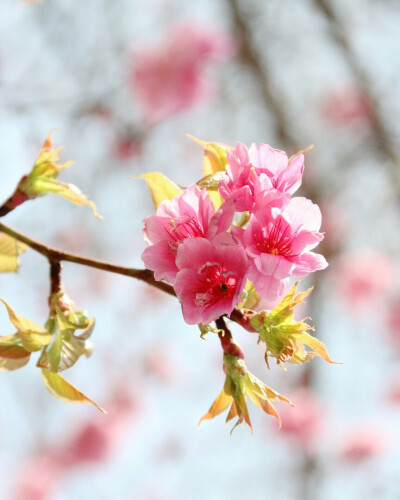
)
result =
(278, 244)
(364, 279)
(363, 443)
(393, 323)
(210, 280)
(303, 421)
(170, 77)
(189, 215)
(348, 106)
(39, 477)
(260, 176)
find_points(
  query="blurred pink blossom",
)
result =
(127, 147)
(393, 323)
(39, 477)
(93, 443)
(363, 443)
(364, 279)
(394, 393)
(304, 420)
(170, 77)
(347, 106)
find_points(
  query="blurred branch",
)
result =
(381, 132)
(250, 56)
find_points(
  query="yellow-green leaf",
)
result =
(214, 156)
(161, 187)
(69, 191)
(316, 345)
(13, 357)
(13, 339)
(10, 248)
(43, 178)
(62, 389)
(64, 352)
(32, 336)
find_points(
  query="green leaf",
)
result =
(13, 357)
(62, 389)
(161, 187)
(10, 248)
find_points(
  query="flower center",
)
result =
(278, 241)
(184, 228)
(217, 284)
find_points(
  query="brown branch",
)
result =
(55, 277)
(56, 255)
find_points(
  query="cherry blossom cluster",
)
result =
(209, 250)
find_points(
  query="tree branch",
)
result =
(56, 255)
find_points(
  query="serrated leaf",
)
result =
(62, 389)
(13, 357)
(161, 187)
(10, 248)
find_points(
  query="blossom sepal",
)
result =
(286, 338)
(240, 383)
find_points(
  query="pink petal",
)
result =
(308, 263)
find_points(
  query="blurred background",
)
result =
(123, 82)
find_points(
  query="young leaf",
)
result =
(43, 178)
(13, 357)
(13, 339)
(61, 389)
(214, 156)
(64, 352)
(32, 336)
(161, 187)
(10, 248)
